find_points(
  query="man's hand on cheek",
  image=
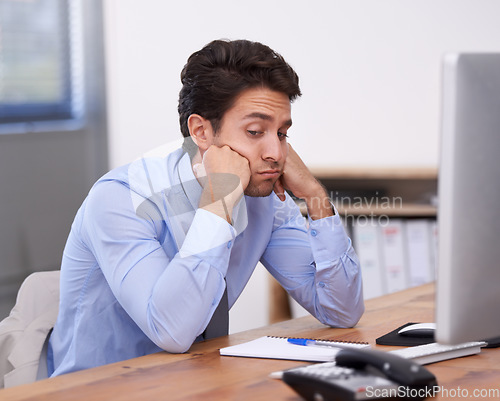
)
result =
(296, 177)
(299, 180)
(224, 160)
(226, 174)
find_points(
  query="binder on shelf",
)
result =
(434, 247)
(419, 251)
(366, 241)
(393, 255)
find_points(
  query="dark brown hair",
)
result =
(214, 76)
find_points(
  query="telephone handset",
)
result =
(361, 374)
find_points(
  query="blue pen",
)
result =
(316, 343)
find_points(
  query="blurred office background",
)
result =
(88, 85)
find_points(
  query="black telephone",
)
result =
(362, 375)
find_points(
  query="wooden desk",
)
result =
(202, 374)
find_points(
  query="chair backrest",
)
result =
(24, 332)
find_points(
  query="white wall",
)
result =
(369, 70)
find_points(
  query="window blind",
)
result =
(36, 65)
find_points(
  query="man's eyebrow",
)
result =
(265, 117)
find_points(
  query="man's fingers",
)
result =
(225, 160)
(279, 190)
(199, 170)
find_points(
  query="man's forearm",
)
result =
(220, 194)
(318, 204)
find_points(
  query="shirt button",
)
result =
(229, 244)
(314, 233)
(321, 284)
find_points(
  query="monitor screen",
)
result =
(468, 280)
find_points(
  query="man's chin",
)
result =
(258, 191)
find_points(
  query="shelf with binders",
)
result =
(395, 254)
(399, 192)
(381, 191)
(390, 215)
(406, 209)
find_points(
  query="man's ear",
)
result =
(201, 131)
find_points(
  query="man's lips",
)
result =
(270, 173)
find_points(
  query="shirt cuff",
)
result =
(328, 238)
(211, 236)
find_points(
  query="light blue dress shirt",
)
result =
(144, 269)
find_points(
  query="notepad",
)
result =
(279, 348)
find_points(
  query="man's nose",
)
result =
(273, 149)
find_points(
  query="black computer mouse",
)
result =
(421, 330)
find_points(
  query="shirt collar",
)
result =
(187, 179)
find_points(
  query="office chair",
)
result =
(24, 333)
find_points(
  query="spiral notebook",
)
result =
(279, 348)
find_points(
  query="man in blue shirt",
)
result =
(161, 246)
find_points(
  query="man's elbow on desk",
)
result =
(351, 320)
(341, 307)
(173, 343)
(175, 347)
(344, 319)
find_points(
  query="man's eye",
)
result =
(282, 135)
(254, 132)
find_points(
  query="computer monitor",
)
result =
(468, 277)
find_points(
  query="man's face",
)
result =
(256, 128)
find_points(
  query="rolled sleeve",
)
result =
(169, 296)
(317, 265)
(199, 240)
(328, 239)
